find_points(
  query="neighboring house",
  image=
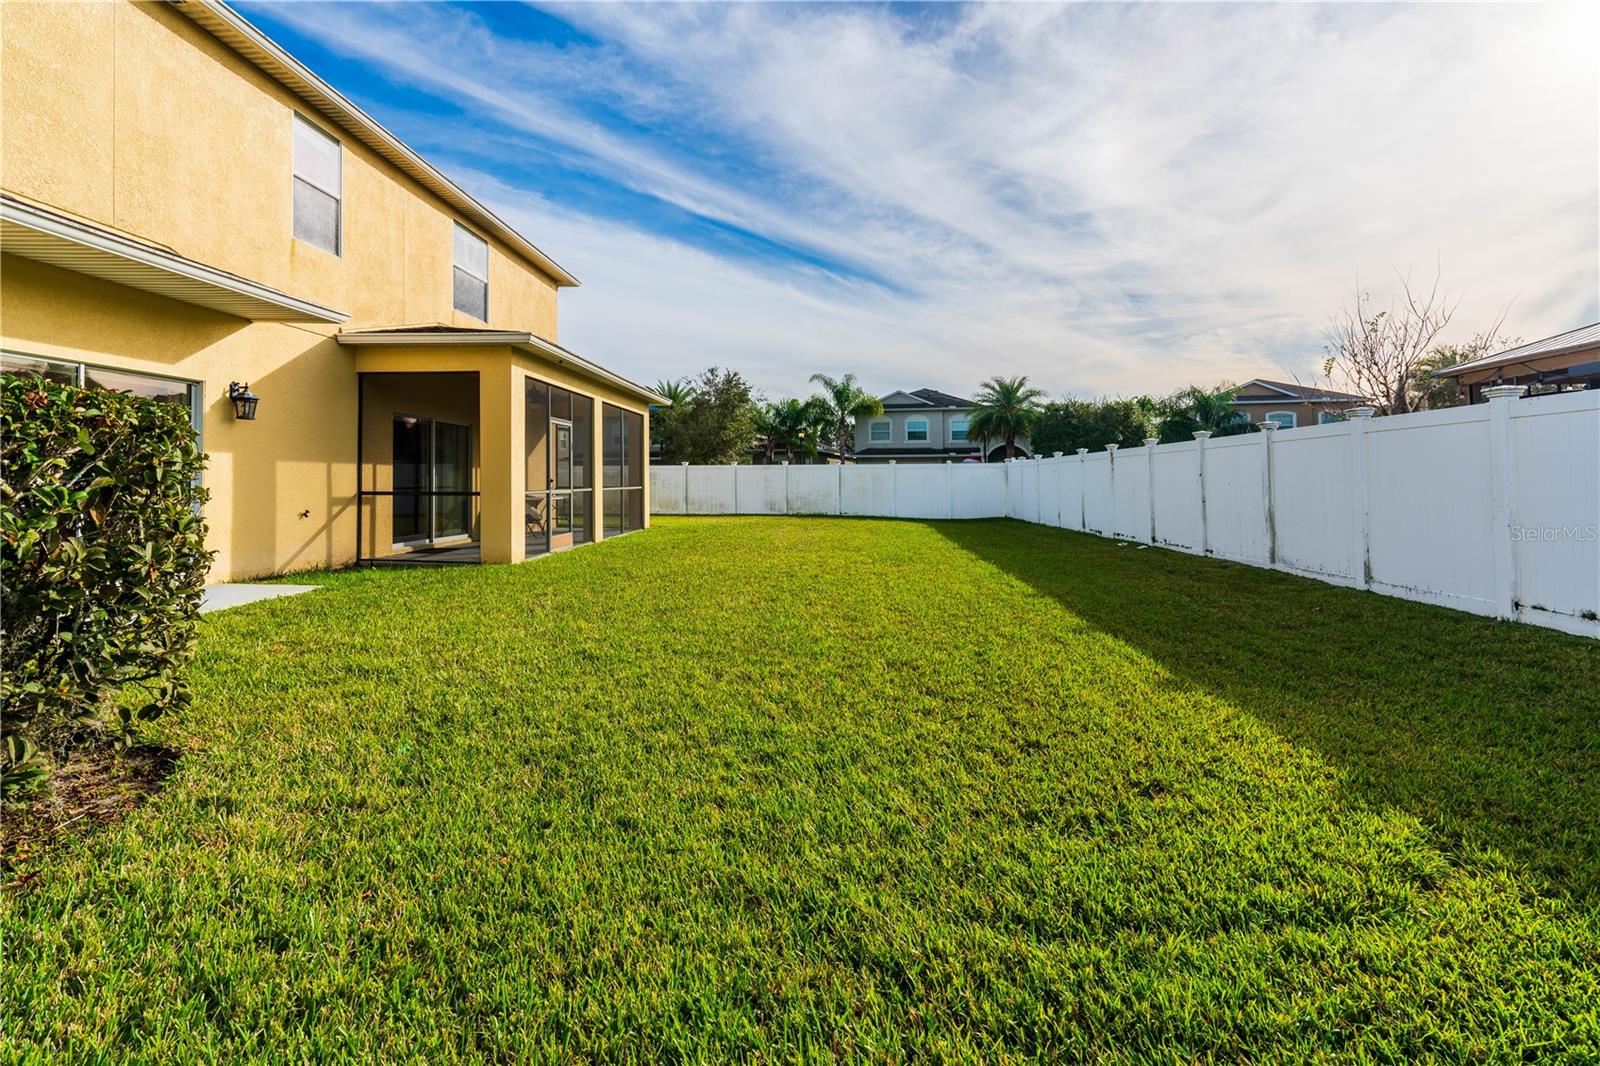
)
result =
(825, 456)
(1567, 362)
(189, 213)
(1293, 405)
(924, 426)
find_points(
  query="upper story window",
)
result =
(471, 274)
(916, 429)
(1327, 418)
(1285, 419)
(878, 432)
(318, 177)
(958, 429)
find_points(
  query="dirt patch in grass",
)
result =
(92, 788)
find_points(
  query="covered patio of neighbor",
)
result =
(487, 446)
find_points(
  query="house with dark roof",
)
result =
(925, 426)
(1567, 362)
(1291, 405)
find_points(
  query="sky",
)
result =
(1111, 200)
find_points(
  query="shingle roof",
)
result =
(929, 398)
(1306, 393)
(1572, 340)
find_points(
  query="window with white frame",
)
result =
(1285, 419)
(878, 432)
(1327, 418)
(318, 181)
(916, 429)
(958, 429)
(470, 274)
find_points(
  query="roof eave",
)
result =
(235, 31)
(95, 251)
(513, 338)
(1512, 358)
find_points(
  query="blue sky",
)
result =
(1109, 199)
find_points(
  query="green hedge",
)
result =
(103, 565)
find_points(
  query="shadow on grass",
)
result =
(89, 789)
(1487, 731)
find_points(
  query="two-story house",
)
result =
(924, 426)
(368, 353)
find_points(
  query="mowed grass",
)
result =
(800, 789)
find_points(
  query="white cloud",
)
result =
(1110, 199)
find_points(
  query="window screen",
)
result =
(317, 185)
(471, 274)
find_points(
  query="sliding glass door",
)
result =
(432, 481)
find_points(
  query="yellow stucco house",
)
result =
(190, 213)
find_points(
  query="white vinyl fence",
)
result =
(1492, 508)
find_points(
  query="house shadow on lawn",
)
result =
(1487, 731)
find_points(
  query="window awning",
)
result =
(35, 232)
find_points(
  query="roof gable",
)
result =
(1291, 392)
(923, 399)
(901, 398)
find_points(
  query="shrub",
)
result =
(102, 566)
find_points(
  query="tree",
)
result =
(714, 426)
(1003, 410)
(1191, 410)
(791, 426)
(1067, 425)
(1433, 393)
(1376, 352)
(663, 420)
(845, 401)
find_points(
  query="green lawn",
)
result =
(810, 788)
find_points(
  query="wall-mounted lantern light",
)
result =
(244, 401)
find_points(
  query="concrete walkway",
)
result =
(221, 597)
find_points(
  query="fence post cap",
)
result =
(1083, 451)
(1202, 434)
(1151, 442)
(891, 462)
(1504, 392)
(1112, 447)
(1060, 454)
(786, 462)
(685, 464)
(1360, 412)
(1266, 427)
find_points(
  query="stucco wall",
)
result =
(299, 453)
(132, 116)
(938, 433)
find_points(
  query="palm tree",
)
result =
(681, 392)
(798, 425)
(1004, 409)
(844, 402)
(1193, 409)
(790, 425)
(766, 427)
